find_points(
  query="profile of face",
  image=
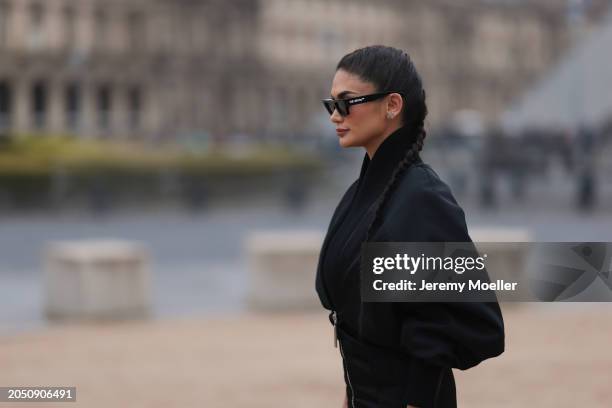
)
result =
(367, 124)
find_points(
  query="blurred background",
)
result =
(167, 173)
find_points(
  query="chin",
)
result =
(348, 141)
(345, 143)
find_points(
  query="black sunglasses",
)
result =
(342, 105)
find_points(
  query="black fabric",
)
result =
(384, 378)
(401, 353)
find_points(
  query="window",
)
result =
(136, 30)
(39, 103)
(135, 107)
(70, 33)
(37, 32)
(5, 105)
(104, 106)
(4, 22)
(101, 29)
(279, 109)
(72, 101)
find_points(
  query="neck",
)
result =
(375, 144)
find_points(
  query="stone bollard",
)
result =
(282, 264)
(282, 268)
(97, 280)
(500, 234)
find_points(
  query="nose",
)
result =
(336, 117)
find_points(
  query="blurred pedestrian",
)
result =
(586, 180)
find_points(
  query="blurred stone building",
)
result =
(472, 54)
(125, 68)
(166, 68)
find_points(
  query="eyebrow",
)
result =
(342, 94)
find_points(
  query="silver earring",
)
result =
(389, 115)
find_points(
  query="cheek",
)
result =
(364, 125)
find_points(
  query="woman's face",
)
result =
(366, 124)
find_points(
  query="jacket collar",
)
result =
(376, 172)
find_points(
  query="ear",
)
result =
(395, 103)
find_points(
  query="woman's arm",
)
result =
(448, 334)
(443, 334)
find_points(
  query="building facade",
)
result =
(166, 68)
(472, 54)
(122, 68)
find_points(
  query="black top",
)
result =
(420, 209)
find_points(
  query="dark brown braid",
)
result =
(406, 162)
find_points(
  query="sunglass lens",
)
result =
(329, 105)
(332, 105)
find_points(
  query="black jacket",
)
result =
(400, 353)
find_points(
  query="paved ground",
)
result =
(556, 356)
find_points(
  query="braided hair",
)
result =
(392, 70)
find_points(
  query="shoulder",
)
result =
(419, 181)
(423, 208)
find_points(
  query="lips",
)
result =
(341, 131)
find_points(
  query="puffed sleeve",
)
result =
(444, 334)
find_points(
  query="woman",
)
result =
(394, 354)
